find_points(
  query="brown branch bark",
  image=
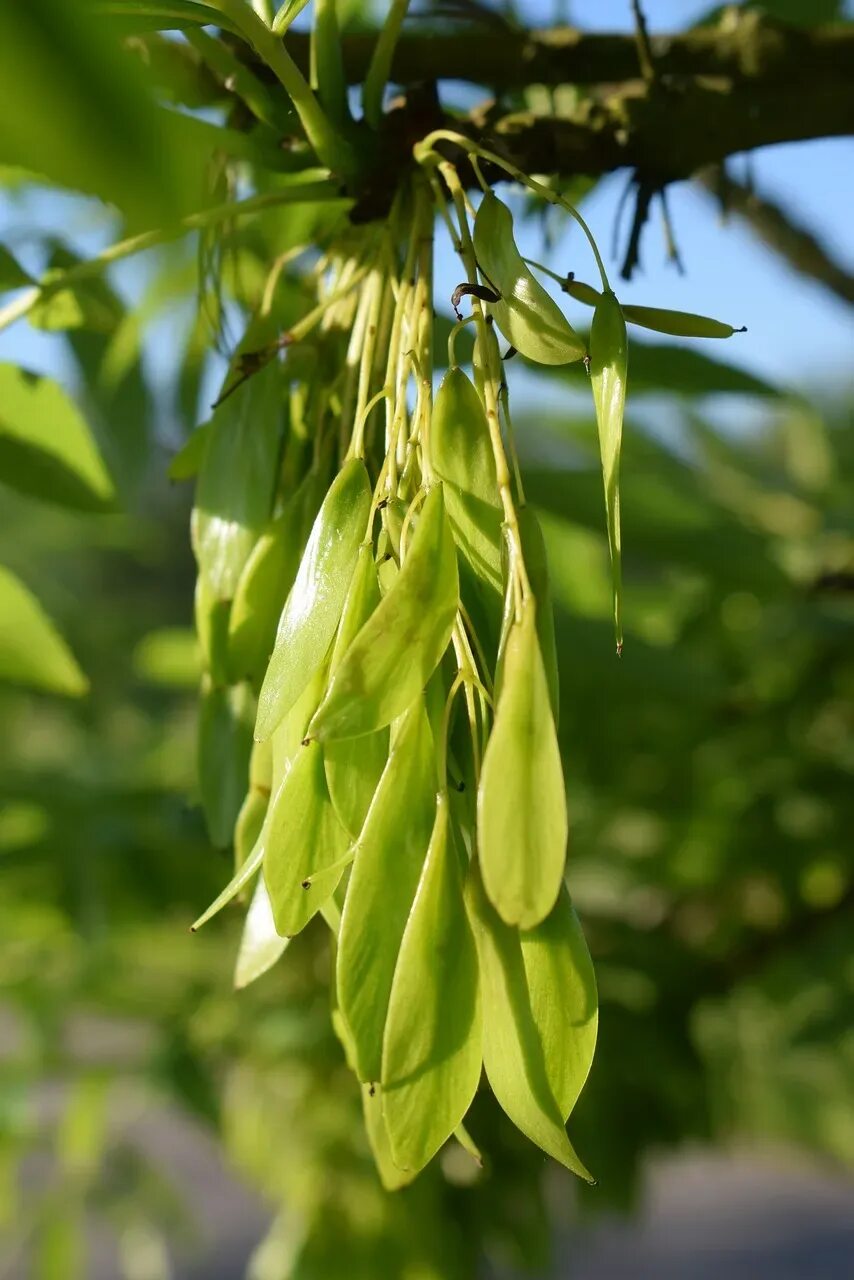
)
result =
(744, 46)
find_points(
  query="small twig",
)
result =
(645, 192)
(672, 247)
(645, 56)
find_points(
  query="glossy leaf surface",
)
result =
(529, 318)
(390, 853)
(313, 608)
(302, 838)
(260, 945)
(518, 1054)
(393, 656)
(608, 368)
(432, 1046)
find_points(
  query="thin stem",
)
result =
(442, 744)
(502, 472)
(236, 76)
(645, 58)
(307, 190)
(425, 149)
(380, 64)
(452, 339)
(286, 16)
(327, 63)
(331, 148)
(357, 444)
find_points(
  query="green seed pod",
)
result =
(461, 454)
(304, 843)
(224, 744)
(431, 1057)
(608, 367)
(250, 820)
(682, 324)
(237, 477)
(260, 945)
(536, 564)
(581, 292)
(395, 653)
(521, 802)
(212, 619)
(390, 853)
(354, 765)
(529, 318)
(313, 608)
(265, 582)
(524, 1015)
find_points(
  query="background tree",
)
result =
(709, 773)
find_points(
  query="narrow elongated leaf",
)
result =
(303, 840)
(225, 742)
(562, 996)
(234, 494)
(46, 447)
(521, 803)
(519, 1054)
(461, 453)
(389, 856)
(608, 366)
(529, 318)
(313, 609)
(354, 765)
(262, 590)
(536, 564)
(395, 653)
(32, 651)
(391, 1177)
(432, 1045)
(260, 945)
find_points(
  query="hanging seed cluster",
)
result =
(378, 733)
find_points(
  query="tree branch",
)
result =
(743, 46)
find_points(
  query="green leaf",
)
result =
(32, 651)
(260, 945)
(563, 1001)
(134, 16)
(391, 1177)
(313, 608)
(12, 274)
(608, 366)
(521, 802)
(234, 495)
(46, 447)
(225, 741)
(395, 653)
(529, 318)
(263, 588)
(354, 765)
(187, 462)
(432, 1046)
(389, 856)
(522, 1060)
(304, 843)
(537, 568)
(461, 455)
(85, 119)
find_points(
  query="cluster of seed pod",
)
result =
(373, 606)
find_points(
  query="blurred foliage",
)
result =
(711, 800)
(710, 772)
